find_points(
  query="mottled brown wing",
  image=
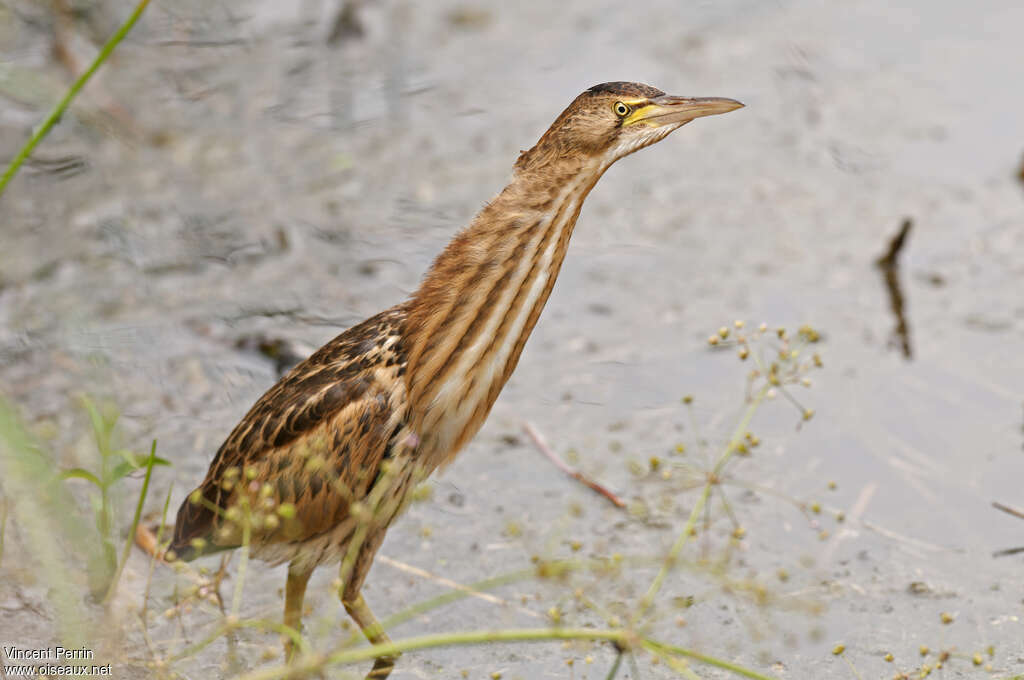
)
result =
(315, 440)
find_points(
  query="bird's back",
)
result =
(311, 446)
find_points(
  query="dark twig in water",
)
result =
(285, 354)
(896, 245)
(889, 264)
(1009, 511)
(346, 24)
(61, 166)
(1008, 551)
(542, 446)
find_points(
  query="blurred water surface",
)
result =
(277, 185)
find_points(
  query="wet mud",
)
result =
(287, 171)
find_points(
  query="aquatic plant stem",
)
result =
(614, 670)
(243, 563)
(699, 506)
(62, 105)
(662, 648)
(231, 626)
(135, 523)
(154, 559)
(624, 638)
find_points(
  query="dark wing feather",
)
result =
(315, 440)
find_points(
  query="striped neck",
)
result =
(469, 320)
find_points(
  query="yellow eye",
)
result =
(621, 109)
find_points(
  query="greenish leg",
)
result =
(360, 612)
(294, 592)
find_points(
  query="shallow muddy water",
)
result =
(269, 184)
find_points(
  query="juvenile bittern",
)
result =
(326, 459)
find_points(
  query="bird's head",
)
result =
(613, 120)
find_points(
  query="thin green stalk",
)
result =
(3, 526)
(727, 507)
(439, 601)
(557, 566)
(853, 669)
(614, 670)
(243, 563)
(475, 637)
(741, 429)
(687, 673)
(358, 537)
(453, 596)
(260, 624)
(103, 427)
(698, 507)
(404, 615)
(554, 566)
(622, 637)
(679, 666)
(634, 666)
(662, 648)
(446, 598)
(380, 501)
(135, 523)
(63, 104)
(696, 429)
(197, 647)
(153, 560)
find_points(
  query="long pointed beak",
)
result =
(671, 109)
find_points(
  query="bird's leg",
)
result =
(294, 592)
(360, 612)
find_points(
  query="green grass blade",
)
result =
(62, 105)
(150, 462)
(81, 473)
